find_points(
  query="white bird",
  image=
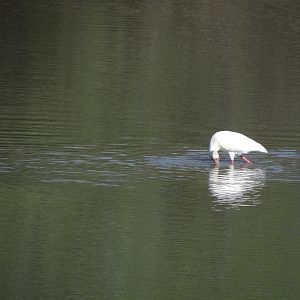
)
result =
(235, 144)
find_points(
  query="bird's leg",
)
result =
(245, 159)
(232, 155)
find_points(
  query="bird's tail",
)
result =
(261, 148)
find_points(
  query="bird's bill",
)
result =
(216, 161)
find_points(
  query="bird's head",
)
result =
(215, 156)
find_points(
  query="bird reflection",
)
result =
(236, 187)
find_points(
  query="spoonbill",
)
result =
(235, 144)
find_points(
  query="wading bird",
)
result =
(234, 143)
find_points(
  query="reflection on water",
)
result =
(236, 187)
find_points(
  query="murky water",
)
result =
(107, 190)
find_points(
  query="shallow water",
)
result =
(107, 190)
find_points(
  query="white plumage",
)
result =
(234, 143)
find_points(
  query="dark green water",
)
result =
(106, 111)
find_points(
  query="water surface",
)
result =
(107, 188)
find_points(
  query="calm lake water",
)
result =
(107, 190)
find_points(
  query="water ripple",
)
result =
(90, 165)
